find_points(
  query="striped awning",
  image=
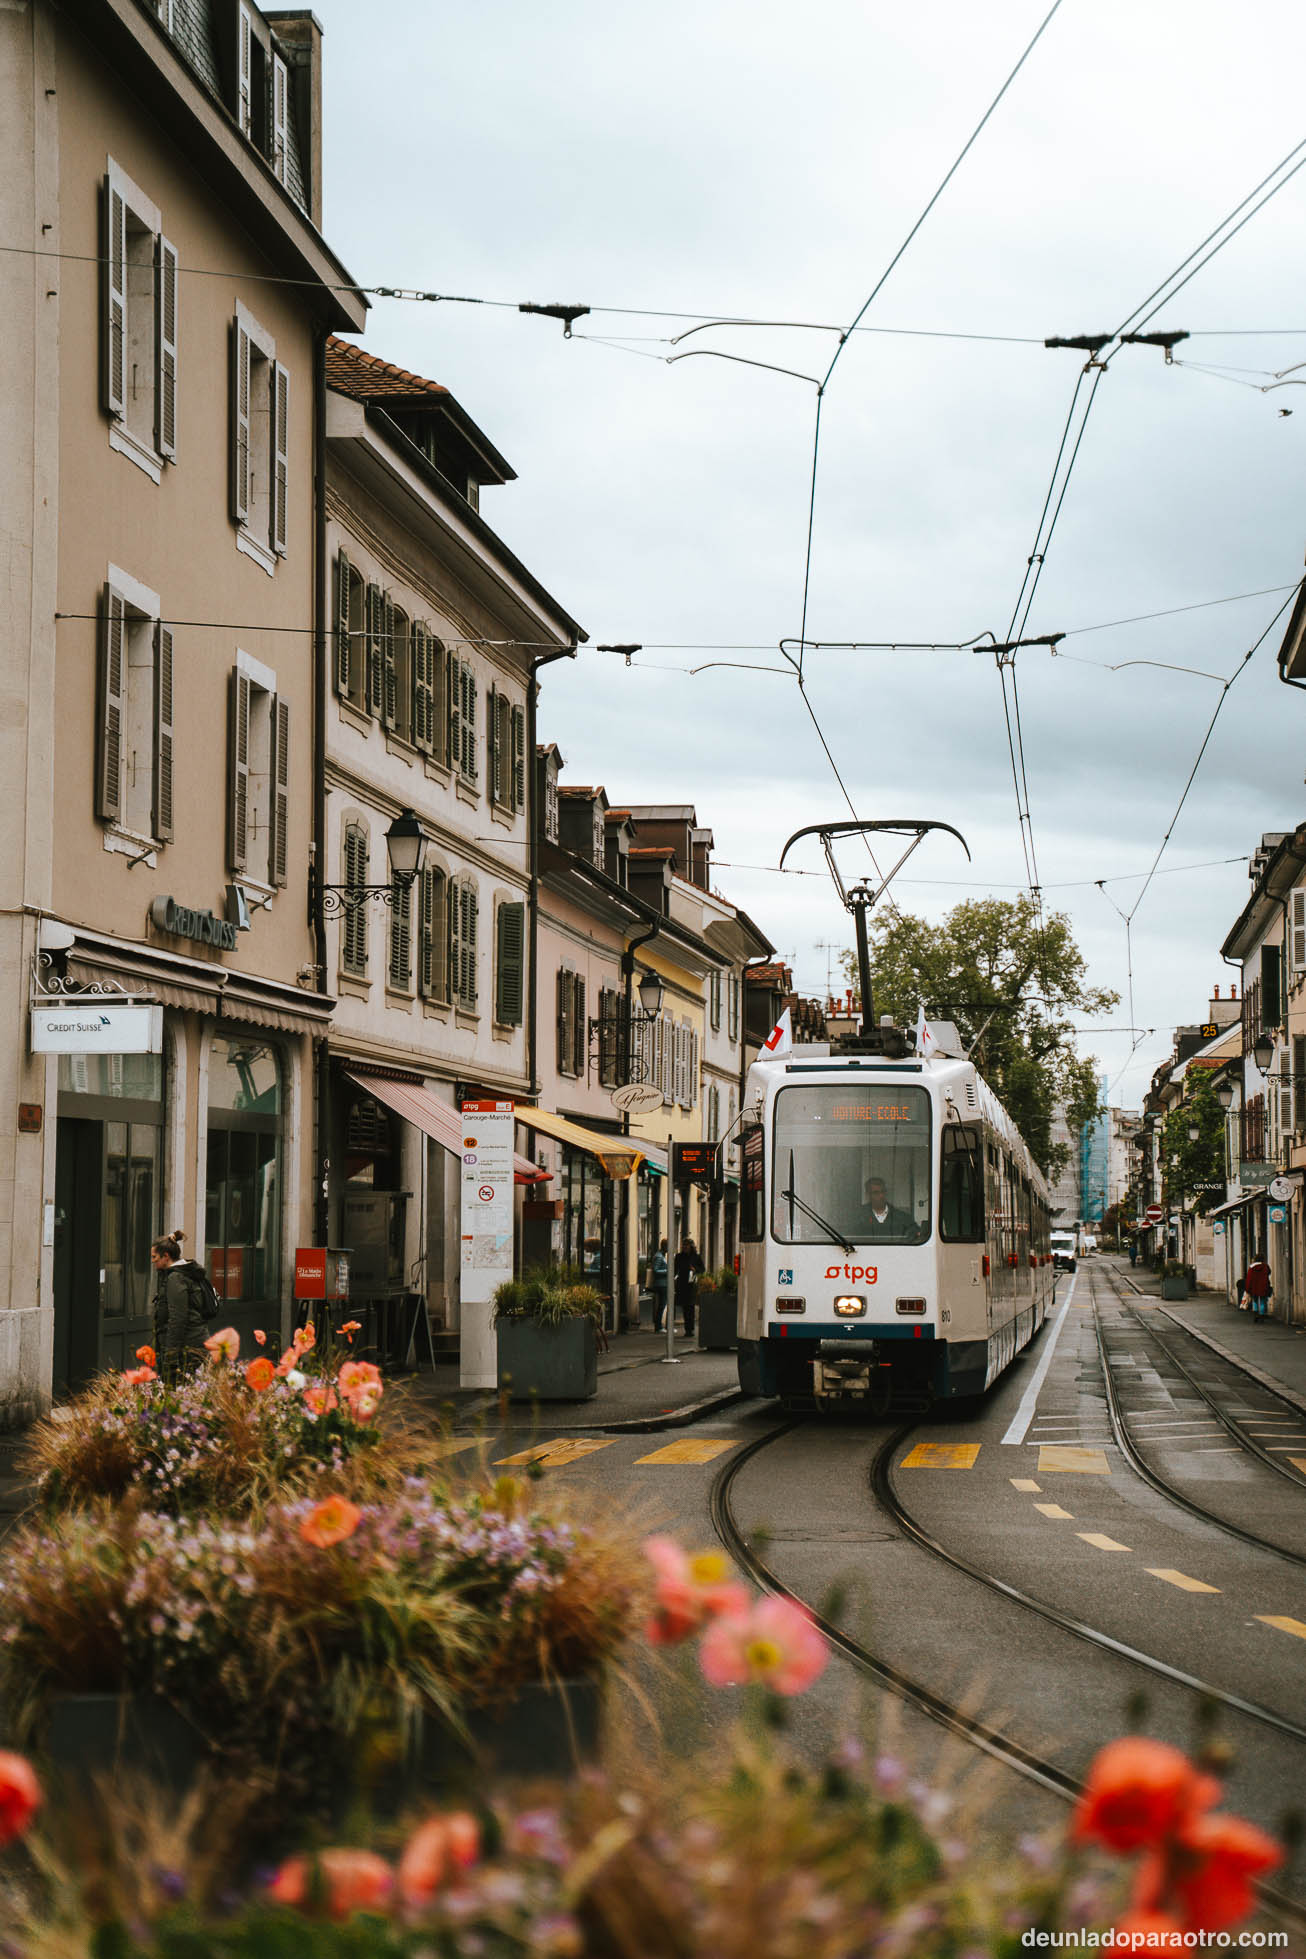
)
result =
(418, 1104)
(619, 1156)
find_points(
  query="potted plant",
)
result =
(1174, 1279)
(718, 1326)
(549, 1326)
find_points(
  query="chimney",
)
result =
(299, 36)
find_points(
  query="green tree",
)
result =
(1011, 985)
(1200, 1171)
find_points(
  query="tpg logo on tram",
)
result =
(869, 1274)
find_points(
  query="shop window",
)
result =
(242, 1195)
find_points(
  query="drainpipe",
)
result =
(533, 858)
(317, 846)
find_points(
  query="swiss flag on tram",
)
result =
(781, 1037)
(925, 1042)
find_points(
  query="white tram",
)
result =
(894, 1231)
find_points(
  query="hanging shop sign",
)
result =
(485, 1232)
(96, 1028)
(1277, 1213)
(181, 922)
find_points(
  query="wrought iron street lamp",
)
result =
(405, 843)
(618, 1025)
(1263, 1052)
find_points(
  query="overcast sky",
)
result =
(760, 159)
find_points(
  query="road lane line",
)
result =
(942, 1455)
(552, 1455)
(1024, 1415)
(1054, 1510)
(1025, 1483)
(1179, 1578)
(692, 1449)
(1099, 1541)
(1283, 1624)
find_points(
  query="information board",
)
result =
(486, 1233)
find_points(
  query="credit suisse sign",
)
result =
(96, 1029)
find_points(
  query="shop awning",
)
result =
(619, 1156)
(443, 1124)
(1237, 1203)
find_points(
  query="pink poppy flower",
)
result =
(330, 1522)
(260, 1336)
(774, 1644)
(364, 1401)
(691, 1588)
(355, 1374)
(138, 1376)
(320, 1400)
(353, 1880)
(438, 1849)
(304, 1338)
(225, 1342)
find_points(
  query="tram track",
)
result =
(1128, 1442)
(1001, 1747)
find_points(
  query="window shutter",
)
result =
(389, 664)
(1299, 931)
(237, 769)
(469, 722)
(1271, 988)
(471, 904)
(113, 675)
(342, 624)
(401, 933)
(519, 758)
(354, 955)
(280, 97)
(433, 972)
(245, 86)
(578, 1027)
(455, 671)
(733, 993)
(564, 995)
(280, 456)
(165, 317)
(239, 423)
(161, 819)
(280, 788)
(508, 965)
(437, 666)
(492, 750)
(424, 655)
(375, 652)
(714, 996)
(115, 299)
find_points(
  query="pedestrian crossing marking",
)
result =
(1054, 1510)
(942, 1455)
(1283, 1624)
(1060, 1458)
(702, 1449)
(1099, 1541)
(1179, 1578)
(552, 1455)
(1025, 1483)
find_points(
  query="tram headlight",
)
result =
(850, 1305)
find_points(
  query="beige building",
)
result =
(161, 656)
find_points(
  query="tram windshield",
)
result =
(851, 1163)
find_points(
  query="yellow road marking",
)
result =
(1180, 1578)
(1282, 1624)
(689, 1450)
(1053, 1510)
(439, 1450)
(553, 1454)
(1099, 1542)
(1298, 1462)
(942, 1455)
(1060, 1458)
(1025, 1483)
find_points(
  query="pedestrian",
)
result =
(688, 1267)
(180, 1327)
(1133, 1252)
(1257, 1289)
(659, 1283)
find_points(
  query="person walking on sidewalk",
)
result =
(688, 1267)
(1258, 1289)
(659, 1285)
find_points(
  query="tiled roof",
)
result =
(777, 975)
(350, 370)
(664, 851)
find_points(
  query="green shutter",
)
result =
(519, 758)
(375, 653)
(279, 800)
(343, 649)
(237, 769)
(113, 696)
(161, 818)
(510, 965)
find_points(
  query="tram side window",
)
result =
(752, 1214)
(961, 1187)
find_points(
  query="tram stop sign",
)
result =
(694, 1163)
(1154, 1214)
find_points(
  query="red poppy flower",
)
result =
(330, 1522)
(1138, 1792)
(260, 1374)
(352, 1880)
(1208, 1876)
(20, 1795)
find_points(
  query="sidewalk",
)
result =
(1271, 1351)
(636, 1391)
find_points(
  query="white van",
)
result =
(1063, 1251)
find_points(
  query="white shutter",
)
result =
(280, 95)
(240, 363)
(165, 324)
(455, 732)
(245, 84)
(115, 299)
(519, 758)
(280, 485)
(1298, 933)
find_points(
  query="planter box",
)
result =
(1174, 1288)
(718, 1321)
(548, 1363)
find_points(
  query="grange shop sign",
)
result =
(183, 923)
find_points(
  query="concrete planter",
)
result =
(548, 1363)
(1174, 1288)
(718, 1321)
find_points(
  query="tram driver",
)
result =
(883, 1220)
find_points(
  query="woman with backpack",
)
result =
(181, 1325)
(1257, 1288)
